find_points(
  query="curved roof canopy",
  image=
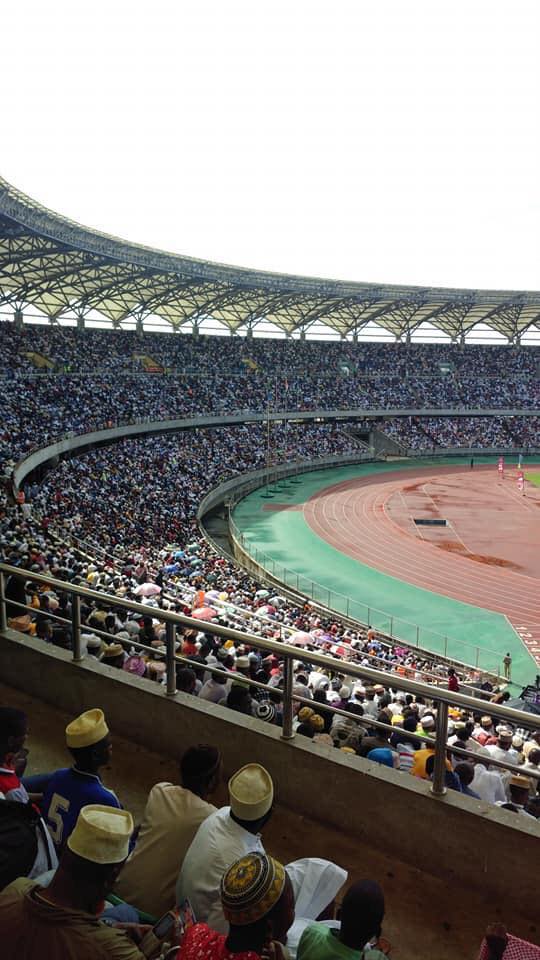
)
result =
(63, 268)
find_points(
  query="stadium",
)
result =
(310, 503)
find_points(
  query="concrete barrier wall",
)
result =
(457, 838)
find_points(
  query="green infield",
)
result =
(533, 478)
(282, 542)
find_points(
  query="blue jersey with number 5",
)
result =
(67, 793)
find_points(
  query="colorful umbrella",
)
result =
(300, 638)
(147, 590)
(204, 613)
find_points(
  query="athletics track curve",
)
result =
(358, 518)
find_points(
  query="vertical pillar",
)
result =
(170, 637)
(438, 787)
(3, 614)
(18, 317)
(76, 627)
(287, 729)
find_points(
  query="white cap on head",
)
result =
(251, 792)
(101, 834)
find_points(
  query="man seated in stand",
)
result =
(234, 831)
(26, 848)
(258, 904)
(13, 734)
(172, 816)
(70, 789)
(357, 938)
(62, 921)
(518, 788)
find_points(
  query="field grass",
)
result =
(533, 478)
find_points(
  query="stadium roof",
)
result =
(62, 268)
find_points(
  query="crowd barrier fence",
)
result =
(442, 698)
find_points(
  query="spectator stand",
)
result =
(286, 653)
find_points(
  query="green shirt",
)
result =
(33, 929)
(319, 942)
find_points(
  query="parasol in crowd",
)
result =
(204, 613)
(300, 638)
(147, 590)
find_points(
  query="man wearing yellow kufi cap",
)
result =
(72, 788)
(61, 921)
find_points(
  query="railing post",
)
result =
(477, 656)
(445, 646)
(170, 638)
(287, 728)
(347, 606)
(417, 635)
(438, 787)
(391, 627)
(76, 627)
(3, 613)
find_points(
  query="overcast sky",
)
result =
(392, 140)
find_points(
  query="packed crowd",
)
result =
(39, 409)
(194, 881)
(427, 433)
(154, 485)
(221, 672)
(132, 508)
(219, 376)
(115, 350)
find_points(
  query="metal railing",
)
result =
(441, 698)
(183, 592)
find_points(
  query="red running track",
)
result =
(355, 517)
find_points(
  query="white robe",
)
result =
(220, 841)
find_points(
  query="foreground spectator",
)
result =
(62, 922)
(72, 788)
(362, 914)
(172, 816)
(13, 734)
(26, 849)
(234, 831)
(519, 788)
(500, 945)
(258, 904)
